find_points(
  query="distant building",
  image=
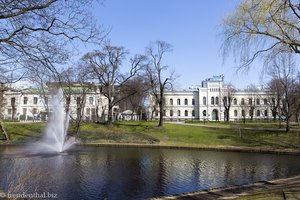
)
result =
(208, 102)
(35, 104)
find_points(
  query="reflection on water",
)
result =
(136, 173)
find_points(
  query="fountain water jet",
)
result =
(55, 136)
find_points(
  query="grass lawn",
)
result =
(171, 134)
(248, 124)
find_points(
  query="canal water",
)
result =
(134, 173)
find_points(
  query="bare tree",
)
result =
(158, 81)
(2, 104)
(105, 67)
(257, 28)
(253, 92)
(139, 88)
(42, 31)
(227, 98)
(275, 95)
(282, 70)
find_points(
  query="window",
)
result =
(91, 100)
(35, 100)
(266, 113)
(171, 113)
(204, 113)
(171, 102)
(243, 113)
(217, 100)
(25, 100)
(193, 113)
(13, 101)
(164, 113)
(34, 111)
(212, 100)
(93, 112)
(178, 101)
(235, 101)
(186, 113)
(9, 111)
(258, 113)
(193, 101)
(87, 111)
(243, 101)
(251, 112)
(250, 101)
(204, 100)
(257, 101)
(156, 113)
(265, 101)
(24, 111)
(178, 113)
(235, 113)
(185, 101)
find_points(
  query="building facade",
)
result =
(35, 105)
(211, 100)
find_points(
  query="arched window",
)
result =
(204, 100)
(91, 100)
(235, 101)
(235, 113)
(171, 113)
(212, 100)
(217, 100)
(258, 113)
(178, 101)
(265, 101)
(186, 113)
(250, 101)
(193, 113)
(266, 113)
(204, 113)
(243, 101)
(243, 113)
(185, 101)
(257, 101)
(178, 113)
(171, 102)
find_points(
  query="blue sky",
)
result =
(191, 26)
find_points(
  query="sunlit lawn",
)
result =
(170, 134)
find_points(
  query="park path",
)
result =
(288, 188)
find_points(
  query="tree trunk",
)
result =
(161, 115)
(227, 115)
(2, 129)
(109, 116)
(287, 125)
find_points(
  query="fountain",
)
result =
(55, 137)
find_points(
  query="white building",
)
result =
(208, 102)
(35, 104)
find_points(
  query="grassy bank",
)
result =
(170, 134)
